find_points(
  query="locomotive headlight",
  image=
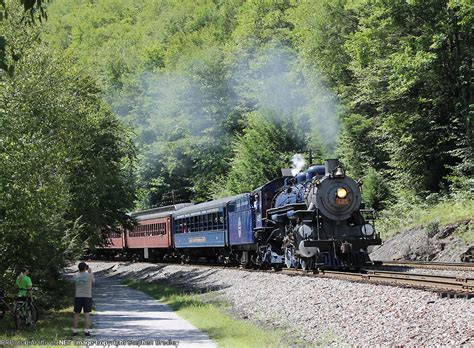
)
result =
(341, 192)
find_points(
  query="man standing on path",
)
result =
(83, 298)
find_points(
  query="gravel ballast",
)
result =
(321, 311)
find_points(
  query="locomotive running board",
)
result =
(357, 243)
(286, 208)
(306, 215)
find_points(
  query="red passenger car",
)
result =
(152, 238)
(117, 240)
(115, 247)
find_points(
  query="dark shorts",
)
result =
(82, 303)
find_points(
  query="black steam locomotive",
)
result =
(317, 221)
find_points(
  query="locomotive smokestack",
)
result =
(330, 165)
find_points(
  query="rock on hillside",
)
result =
(425, 243)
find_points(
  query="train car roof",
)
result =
(207, 205)
(158, 211)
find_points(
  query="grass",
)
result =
(466, 233)
(211, 317)
(53, 326)
(402, 217)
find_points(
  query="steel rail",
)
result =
(445, 286)
(455, 266)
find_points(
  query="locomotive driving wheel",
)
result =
(306, 264)
(290, 260)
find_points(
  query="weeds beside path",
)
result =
(211, 317)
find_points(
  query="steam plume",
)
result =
(298, 164)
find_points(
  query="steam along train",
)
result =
(312, 220)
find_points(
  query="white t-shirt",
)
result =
(84, 282)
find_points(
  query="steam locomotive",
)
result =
(313, 220)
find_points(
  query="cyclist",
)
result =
(24, 285)
(25, 292)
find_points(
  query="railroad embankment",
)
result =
(428, 242)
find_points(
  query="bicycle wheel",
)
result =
(33, 313)
(21, 315)
(36, 311)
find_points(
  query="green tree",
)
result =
(409, 62)
(65, 160)
(321, 29)
(401, 71)
(265, 147)
(162, 65)
(375, 190)
(187, 74)
(33, 7)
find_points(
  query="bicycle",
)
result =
(23, 310)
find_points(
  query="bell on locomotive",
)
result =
(323, 222)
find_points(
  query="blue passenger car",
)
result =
(203, 225)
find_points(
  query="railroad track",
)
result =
(452, 266)
(445, 286)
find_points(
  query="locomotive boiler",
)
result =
(320, 222)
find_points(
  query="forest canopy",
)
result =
(384, 85)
